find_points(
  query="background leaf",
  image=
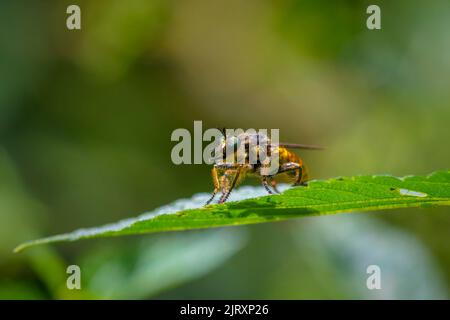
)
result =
(155, 265)
(343, 246)
(360, 193)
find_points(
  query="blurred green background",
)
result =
(86, 118)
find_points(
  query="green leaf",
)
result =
(360, 193)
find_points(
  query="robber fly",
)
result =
(226, 176)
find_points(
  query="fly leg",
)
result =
(299, 178)
(226, 191)
(215, 178)
(264, 182)
(273, 183)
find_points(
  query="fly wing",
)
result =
(300, 146)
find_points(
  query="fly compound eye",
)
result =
(232, 142)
